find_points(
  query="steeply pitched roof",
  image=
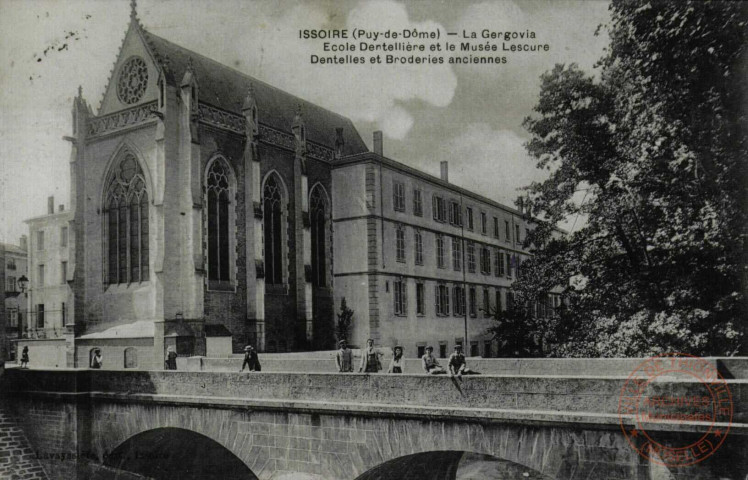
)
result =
(226, 88)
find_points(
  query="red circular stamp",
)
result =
(675, 409)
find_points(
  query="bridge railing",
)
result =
(486, 396)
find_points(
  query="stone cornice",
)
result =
(122, 119)
(207, 115)
(234, 123)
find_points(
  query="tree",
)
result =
(653, 155)
(345, 317)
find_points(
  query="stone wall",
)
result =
(733, 368)
(342, 446)
(550, 398)
(44, 353)
(340, 426)
(17, 458)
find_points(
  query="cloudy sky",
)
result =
(468, 115)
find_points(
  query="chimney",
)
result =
(378, 148)
(444, 170)
(61, 208)
(50, 205)
(24, 243)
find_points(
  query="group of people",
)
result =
(370, 362)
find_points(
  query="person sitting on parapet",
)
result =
(251, 360)
(98, 360)
(344, 358)
(430, 364)
(457, 364)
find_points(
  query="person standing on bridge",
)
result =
(25, 357)
(370, 359)
(396, 364)
(430, 363)
(344, 358)
(251, 360)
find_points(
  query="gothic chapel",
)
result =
(202, 207)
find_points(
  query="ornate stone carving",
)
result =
(258, 210)
(238, 124)
(125, 118)
(132, 81)
(277, 138)
(221, 119)
(319, 152)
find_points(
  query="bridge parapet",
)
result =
(324, 362)
(592, 400)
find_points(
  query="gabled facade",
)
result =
(196, 191)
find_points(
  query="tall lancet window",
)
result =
(318, 211)
(218, 190)
(126, 210)
(272, 200)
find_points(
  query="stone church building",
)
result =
(207, 203)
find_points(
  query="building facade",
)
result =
(437, 262)
(205, 200)
(15, 308)
(48, 293)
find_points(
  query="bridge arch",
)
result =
(449, 465)
(168, 453)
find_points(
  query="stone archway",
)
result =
(168, 453)
(449, 465)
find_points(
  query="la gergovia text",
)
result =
(413, 46)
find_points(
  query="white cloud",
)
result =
(397, 123)
(372, 93)
(491, 162)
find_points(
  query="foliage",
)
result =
(345, 317)
(652, 154)
(510, 330)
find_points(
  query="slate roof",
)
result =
(226, 88)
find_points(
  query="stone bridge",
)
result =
(208, 425)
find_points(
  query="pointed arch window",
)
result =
(218, 192)
(318, 212)
(126, 212)
(272, 201)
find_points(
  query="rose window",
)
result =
(133, 78)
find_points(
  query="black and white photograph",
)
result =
(374, 240)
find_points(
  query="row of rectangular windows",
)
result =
(452, 213)
(41, 280)
(63, 238)
(503, 263)
(40, 314)
(442, 295)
